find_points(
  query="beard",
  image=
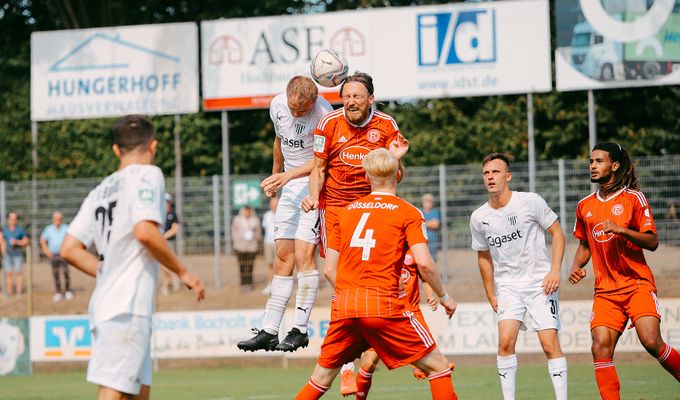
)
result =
(600, 180)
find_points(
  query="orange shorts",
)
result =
(614, 310)
(328, 216)
(398, 341)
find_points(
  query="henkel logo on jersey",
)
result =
(455, 38)
(600, 235)
(405, 275)
(353, 155)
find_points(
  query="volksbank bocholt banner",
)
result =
(617, 43)
(107, 72)
(204, 334)
(413, 52)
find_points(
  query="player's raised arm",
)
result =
(430, 274)
(485, 263)
(551, 282)
(74, 252)
(149, 235)
(580, 260)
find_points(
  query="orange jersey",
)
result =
(409, 282)
(372, 236)
(619, 264)
(343, 146)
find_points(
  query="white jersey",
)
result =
(515, 237)
(127, 274)
(296, 134)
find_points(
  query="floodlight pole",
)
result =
(34, 190)
(592, 127)
(226, 182)
(531, 144)
(179, 197)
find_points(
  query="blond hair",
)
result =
(301, 89)
(381, 166)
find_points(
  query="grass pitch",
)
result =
(640, 381)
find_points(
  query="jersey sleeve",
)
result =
(543, 214)
(273, 110)
(147, 197)
(642, 218)
(82, 226)
(322, 141)
(579, 225)
(478, 240)
(415, 229)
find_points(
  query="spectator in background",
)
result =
(16, 239)
(433, 223)
(3, 251)
(50, 243)
(269, 243)
(672, 213)
(170, 281)
(246, 233)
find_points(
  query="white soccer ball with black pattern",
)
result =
(329, 68)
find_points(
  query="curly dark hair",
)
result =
(361, 77)
(625, 176)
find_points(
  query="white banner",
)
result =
(107, 72)
(614, 44)
(205, 334)
(413, 52)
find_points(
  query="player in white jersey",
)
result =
(508, 233)
(123, 217)
(295, 114)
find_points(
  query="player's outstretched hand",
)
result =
(551, 282)
(193, 283)
(399, 146)
(432, 301)
(576, 274)
(272, 183)
(309, 204)
(450, 306)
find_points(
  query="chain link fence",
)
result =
(458, 190)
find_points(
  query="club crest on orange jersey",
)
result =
(373, 135)
(617, 209)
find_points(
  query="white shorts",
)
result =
(290, 222)
(530, 305)
(121, 354)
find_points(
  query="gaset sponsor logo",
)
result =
(600, 235)
(353, 155)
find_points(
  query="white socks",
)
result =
(281, 291)
(557, 368)
(308, 287)
(507, 370)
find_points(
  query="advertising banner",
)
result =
(617, 43)
(446, 50)
(472, 330)
(108, 72)
(14, 345)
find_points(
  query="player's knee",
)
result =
(601, 349)
(506, 346)
(652, 344)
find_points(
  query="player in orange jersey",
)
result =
(613, 225)
(411, 294)
(341, 141)
(363, 263)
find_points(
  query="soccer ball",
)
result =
(329, 68)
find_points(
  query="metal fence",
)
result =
(458, 190)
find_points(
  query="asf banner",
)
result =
(108, 72)
(446, 50)
(14, 345)
(617, 43)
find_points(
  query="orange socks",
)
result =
(364, 380)
(607, 379)
(441, 386)
(311, 391)
(669, 358)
